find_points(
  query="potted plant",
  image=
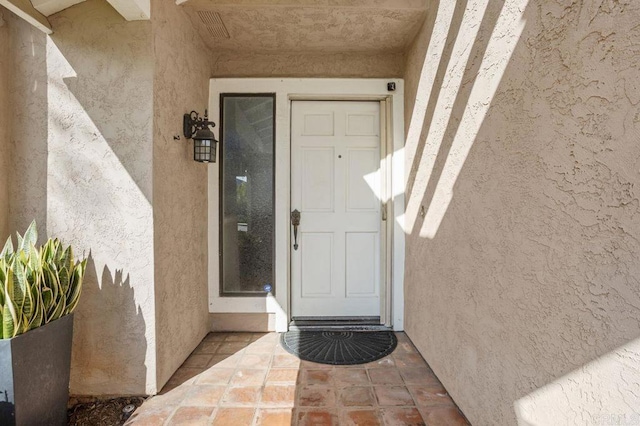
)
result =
(39, 289)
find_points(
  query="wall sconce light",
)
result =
(204, 142)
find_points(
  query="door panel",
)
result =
(361, 164)
(317, 264)
(362, 253)
(362, 124)
(318, 124)
(317, 179)
(336, 184)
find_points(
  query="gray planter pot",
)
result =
(34, 375)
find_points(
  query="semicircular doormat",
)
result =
(339, 347)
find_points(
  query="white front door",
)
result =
(336, 186)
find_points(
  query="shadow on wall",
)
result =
(92, 76)
(445, 130)
(533, 264)
(29, 126)
(431, 79)
(445, 91)
(99, 148)
(7, 409)
(110, 344)
(112, 85)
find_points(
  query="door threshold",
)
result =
(337, 324)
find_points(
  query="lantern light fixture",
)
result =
(204, 141)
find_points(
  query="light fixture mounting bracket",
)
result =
(192, 122)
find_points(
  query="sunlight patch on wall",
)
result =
(502, 44)
(89, 188)
(598, 393)
(442, 115)
(33, 53)
(444, 105)
(423, 94)
(95, 204)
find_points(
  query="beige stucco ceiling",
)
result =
(307, 26)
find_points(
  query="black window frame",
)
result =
(222, 293)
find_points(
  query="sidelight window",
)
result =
(247, 194)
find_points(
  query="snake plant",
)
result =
(37, 285)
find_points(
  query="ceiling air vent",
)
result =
(214, 24)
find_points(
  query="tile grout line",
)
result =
(407, 359)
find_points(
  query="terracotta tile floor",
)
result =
(249, 379)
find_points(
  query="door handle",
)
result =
(295, 221)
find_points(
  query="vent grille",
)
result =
(214, 24)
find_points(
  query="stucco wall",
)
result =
(4, 126)
(296, 64)
(522, 275)
(181, 79)
(82, 147)
(96, 107)
(28, 130)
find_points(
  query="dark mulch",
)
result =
(100, 412)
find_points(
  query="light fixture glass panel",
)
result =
(204, 150)
(247, 195)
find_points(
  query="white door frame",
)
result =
(286, 90)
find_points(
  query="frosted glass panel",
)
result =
(247, 194)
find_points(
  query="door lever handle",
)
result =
(295, 221)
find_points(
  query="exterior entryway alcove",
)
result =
(338, 159)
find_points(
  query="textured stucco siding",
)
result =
(96, 107)
(297, 64)
(181, 84)
(28, 129)
(81, 140)
(522, 275)
(5, 134)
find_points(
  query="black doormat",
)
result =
(339, 347)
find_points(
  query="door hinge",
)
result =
(384, 211)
